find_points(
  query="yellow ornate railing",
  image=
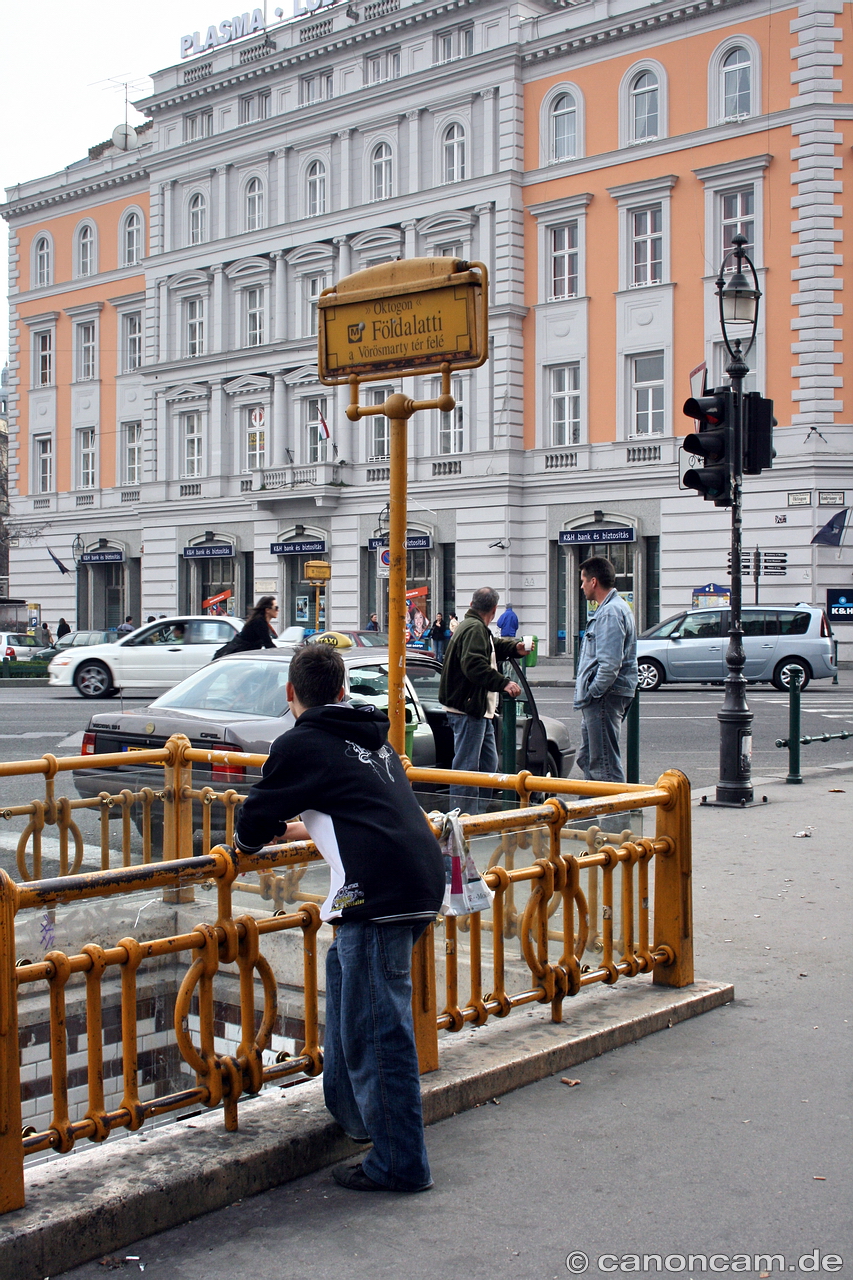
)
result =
(572, 907)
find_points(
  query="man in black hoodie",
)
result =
(336, 768)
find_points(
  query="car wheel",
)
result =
(552, 770)
(93, 680)
(650, 674)
(782, 675)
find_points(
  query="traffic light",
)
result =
(713, 444)
(758, 424)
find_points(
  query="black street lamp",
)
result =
(738, 302)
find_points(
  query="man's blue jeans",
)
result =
(474, 748)
(599, 756)
(371, 1081)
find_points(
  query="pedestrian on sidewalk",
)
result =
(125, 628)
(63, 629)
(336, 768)
(507, 623)
(438, 634)
(257, 631)
(607, 673)
(471, 682)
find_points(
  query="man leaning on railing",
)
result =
(336, 768)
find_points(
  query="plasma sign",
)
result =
(243, 24)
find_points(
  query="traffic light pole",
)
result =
(735, 718)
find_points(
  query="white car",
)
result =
(19, 646)
(159, 654)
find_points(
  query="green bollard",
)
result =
(794, 726)
(633, 753)
(509, 710)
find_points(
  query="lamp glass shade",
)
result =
(739, 299)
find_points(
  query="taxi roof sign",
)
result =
(403, 318)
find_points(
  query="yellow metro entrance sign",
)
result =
(406, 317)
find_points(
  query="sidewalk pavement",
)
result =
(726, 1134)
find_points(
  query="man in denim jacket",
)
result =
(607, 673)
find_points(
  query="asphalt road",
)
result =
(678, 728)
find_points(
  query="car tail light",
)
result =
(825, 628)
(88, 747)
(228, 772)
(10, 652)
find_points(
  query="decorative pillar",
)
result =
(219, 463)
(345, 136)
(163, 318)
(161, 425)
(279, 325)
(222, 201)
(166, 194)
(414, 119)
(218, 307)
(279, 421)
(484, 245)
(344, 256)
(281, 207)
(487, 150)
(410, 241)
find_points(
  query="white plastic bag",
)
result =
(465, 890)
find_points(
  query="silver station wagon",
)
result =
(692, 646)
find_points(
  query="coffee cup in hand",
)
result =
(527, 641)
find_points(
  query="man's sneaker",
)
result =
(353, 1177)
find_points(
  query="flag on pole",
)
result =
(60, 566)
(830, 534)
(324, 427)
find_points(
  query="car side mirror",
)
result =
(675, 635)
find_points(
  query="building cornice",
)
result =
(19, 207)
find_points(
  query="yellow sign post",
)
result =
(318, 572)
(402, 319)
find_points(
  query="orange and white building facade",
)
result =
(597, 156)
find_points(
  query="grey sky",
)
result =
(56, 56)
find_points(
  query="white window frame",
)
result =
(636, 196)
(645, 223)
(194, 325)
(85, 351)
(43, 464)
(627, 136)
(560, 148)
(381, 171)
(87, 461)
(316, 87)
(719, 179)
(86, 250)
(316, 445)
(313, 284)
(198, 125)
(132, 247)
(316, 174)
(570, 254)
(132, 452)
(192, 445)
(549, 216)
(740, 222)
(254, 439)
(716, 79)
(451, 428)
(643, 397)
(42, 271)
(197, 218)
(255, 310)
(43, 362)
(547, 154)
(379, 67)
(453, 43)
(254, 203)
(133, 340)
(454, 152)
(565, 410)
(379, 426)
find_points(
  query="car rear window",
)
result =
(249, 687)
(793, 623)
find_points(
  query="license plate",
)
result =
(129, 748)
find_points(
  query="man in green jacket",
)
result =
(470, 684)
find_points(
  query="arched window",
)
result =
(564, 128)
(454, 153)
(198, 219)
(736, 89)
(86, 251)
(254, 204)
(316, 192)
(132, 240)
(382, 174)
(645, 107)
(42, 261)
